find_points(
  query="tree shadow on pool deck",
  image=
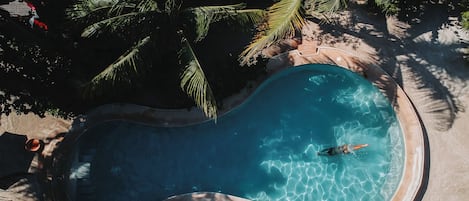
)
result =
(423, 55)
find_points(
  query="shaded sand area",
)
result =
(22, 173)
(424, 57)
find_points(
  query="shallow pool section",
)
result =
(266, 149)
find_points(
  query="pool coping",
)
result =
(414, 133)
(204, 196)
(414, 177)
(415, 148)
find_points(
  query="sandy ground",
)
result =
(449, 166)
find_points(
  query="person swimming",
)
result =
(343, 149)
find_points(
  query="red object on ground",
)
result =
(33, 145)
(30, 5)
(40, 24)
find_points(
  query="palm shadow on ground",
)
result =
(402, 55)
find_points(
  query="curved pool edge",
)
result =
(203, 196)
(417, 156)
(412, 176)
(416, 151)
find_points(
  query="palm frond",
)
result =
(85, 8)
(171, 6)
(147, 5)
(248, 16)
(121, 70)
(118, 8)
(324, 6)
(194, 82)
(284, 17)
(206, 15)
(111, 24)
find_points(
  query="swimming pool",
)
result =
(264, 149)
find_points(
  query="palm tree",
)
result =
(287, 16)
(157, 27)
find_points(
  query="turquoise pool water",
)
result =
(263, 150)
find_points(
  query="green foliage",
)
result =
(465, 19)
(206, 15)
(123, 70)
(319, 7)
(193, 80)
(283, 19)
(86, 8)
(111, 24)
(389, 7)
(34, 74)
(154, 27)
(465, 24)
(57, 112)
(464, 5)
